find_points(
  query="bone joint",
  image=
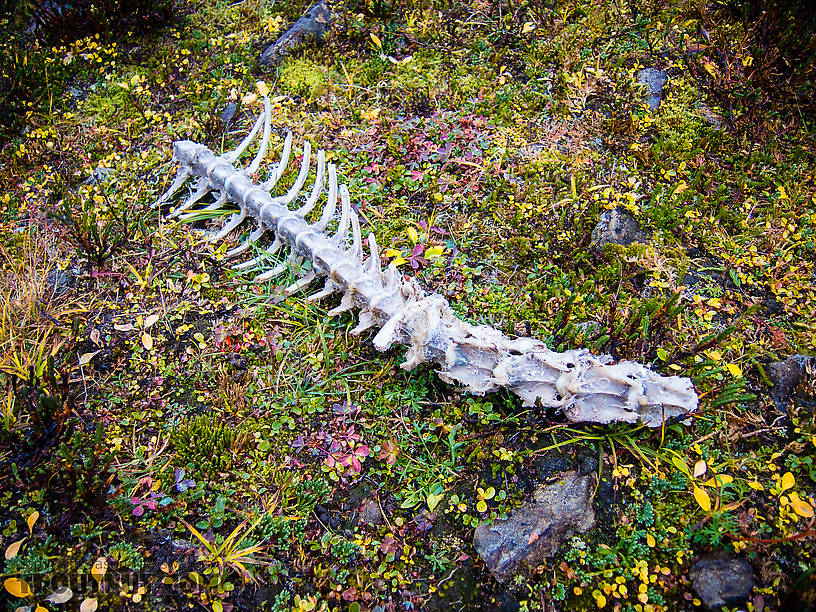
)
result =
(584, 387)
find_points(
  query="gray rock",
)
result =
(722, 581)
(537, 529)
(617, 226)
(311, 27)
(370, 513)
(99, 176)
(787, 376)
(654, 80)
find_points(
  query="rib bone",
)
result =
(584, 387)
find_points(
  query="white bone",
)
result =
(251, 239)
(202, 188)
(342, 227)
(356, 250)
(331, 202)
(259, 156)
(317, 188)
(181, 177)
(482, 359)
(234, 222)
(300, 283)
(280, 167)
(328, 289)
(233, 156)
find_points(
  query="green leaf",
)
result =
(433, 500)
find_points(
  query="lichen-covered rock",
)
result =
(537, 529)
(370, 513)
(617, 226)
(722, 581)
(787, 376)
(654, 80)
(311, 26)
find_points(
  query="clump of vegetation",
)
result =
(208, 445)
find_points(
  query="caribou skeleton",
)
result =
(481, 359)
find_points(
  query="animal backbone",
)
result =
(584, 387)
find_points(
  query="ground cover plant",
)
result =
(176, 436)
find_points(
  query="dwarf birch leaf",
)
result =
(31, 520)
(702, 498)
(787, 482)
(61, 595)
(12, 550)
(800, 506)
(99, 569)
(85, 358)
(89, 605)
(17, 587)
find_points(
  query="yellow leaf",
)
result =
(710, 68)
(32, 518)
(376, 40)
(412, 235)
(481, 506)
(756, 486)
(702, 498)
(17, 587)
(650, 540)
(262, 88)
(147, 341)
(735, 370)
(787, 482)
(800, 506)
(720, 480)
(89, 605)
(528, 27)
(434, 252)
(12, 550)
(99, 568)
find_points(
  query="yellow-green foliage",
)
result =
(305, 77)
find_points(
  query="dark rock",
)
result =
(311, 27)
(229, 113)
(370, 513)
(722, 581)
(787, 376)
(58, 283)
(536, 530)
(654, 80)
(617, 226)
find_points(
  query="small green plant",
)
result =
(207, 444)
(127, 555)
(229, 554)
